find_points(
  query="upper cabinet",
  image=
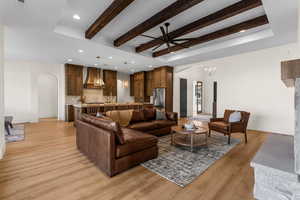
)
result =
(149, 83)
(160, 76)
(74, 80)
(110, 80)
(131, 85)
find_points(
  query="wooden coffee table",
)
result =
(191, 139)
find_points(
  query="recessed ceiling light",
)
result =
(116, 67)
(242, 31)
(76, 16)
(110, 57)
(70, 60)
(172, 52)
(150, 66)
(96, 64)
(132, 62)
(80, 50)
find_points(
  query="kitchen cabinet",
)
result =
(132, 85)
(110, 80)
(149, 83)
(73, 78)
(160, 75)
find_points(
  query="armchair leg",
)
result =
(246, 138)
(229, 138)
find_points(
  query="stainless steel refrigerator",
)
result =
(159, 96)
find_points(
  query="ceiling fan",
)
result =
(167, 40)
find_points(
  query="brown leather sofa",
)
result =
(111, 148)
(144, 121)
(223, 125)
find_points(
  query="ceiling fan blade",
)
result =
(177, 44)
(152, 37)
(183, 39)
(157, 47)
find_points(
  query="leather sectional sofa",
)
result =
(114, 149)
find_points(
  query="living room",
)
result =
(123, 99)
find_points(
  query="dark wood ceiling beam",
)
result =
(218, 16)
(165, 14)
(256, 22)
(107, 16)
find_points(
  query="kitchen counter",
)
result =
(102, 108)
(87, 105)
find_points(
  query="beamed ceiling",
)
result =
(136, 29)
(166, 14)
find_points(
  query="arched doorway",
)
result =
(48, 96)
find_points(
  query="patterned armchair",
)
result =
(223, 125)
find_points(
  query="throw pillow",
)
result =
(235, 117)
(161, 115)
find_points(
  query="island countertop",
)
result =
(87, 105)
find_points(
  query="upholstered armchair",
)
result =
(222, 125)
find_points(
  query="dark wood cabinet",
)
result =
(74, 82)
(149, 83)
(163, 78)
(160, 76)
(131, 85)
(143, 83)
(110, 80)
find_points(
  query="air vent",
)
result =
(21, 1)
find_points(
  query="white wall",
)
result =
(2, 140)
(123, 93)
(192, 73)
(21, 89)
(48, 96)
(250, 82)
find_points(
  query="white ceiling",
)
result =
(45, 31)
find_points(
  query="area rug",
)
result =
(179, 165)
(17, 133)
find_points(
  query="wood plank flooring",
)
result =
(48, 166)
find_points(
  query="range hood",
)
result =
(93, 79)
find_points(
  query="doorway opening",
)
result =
(48, 97)
(198, 97)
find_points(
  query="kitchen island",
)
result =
(102, 108)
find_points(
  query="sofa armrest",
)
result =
(216, 119)
(173, 116)
(97, 144)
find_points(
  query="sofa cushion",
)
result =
(149, 114)
(219, 124)
(143, 126)
(137, 116)
(106, 124)
(135, 141)
(164, 123)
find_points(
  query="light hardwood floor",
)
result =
(48, 166)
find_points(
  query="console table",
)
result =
(274, 169)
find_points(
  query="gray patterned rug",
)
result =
(179, 165)
(17, 133)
